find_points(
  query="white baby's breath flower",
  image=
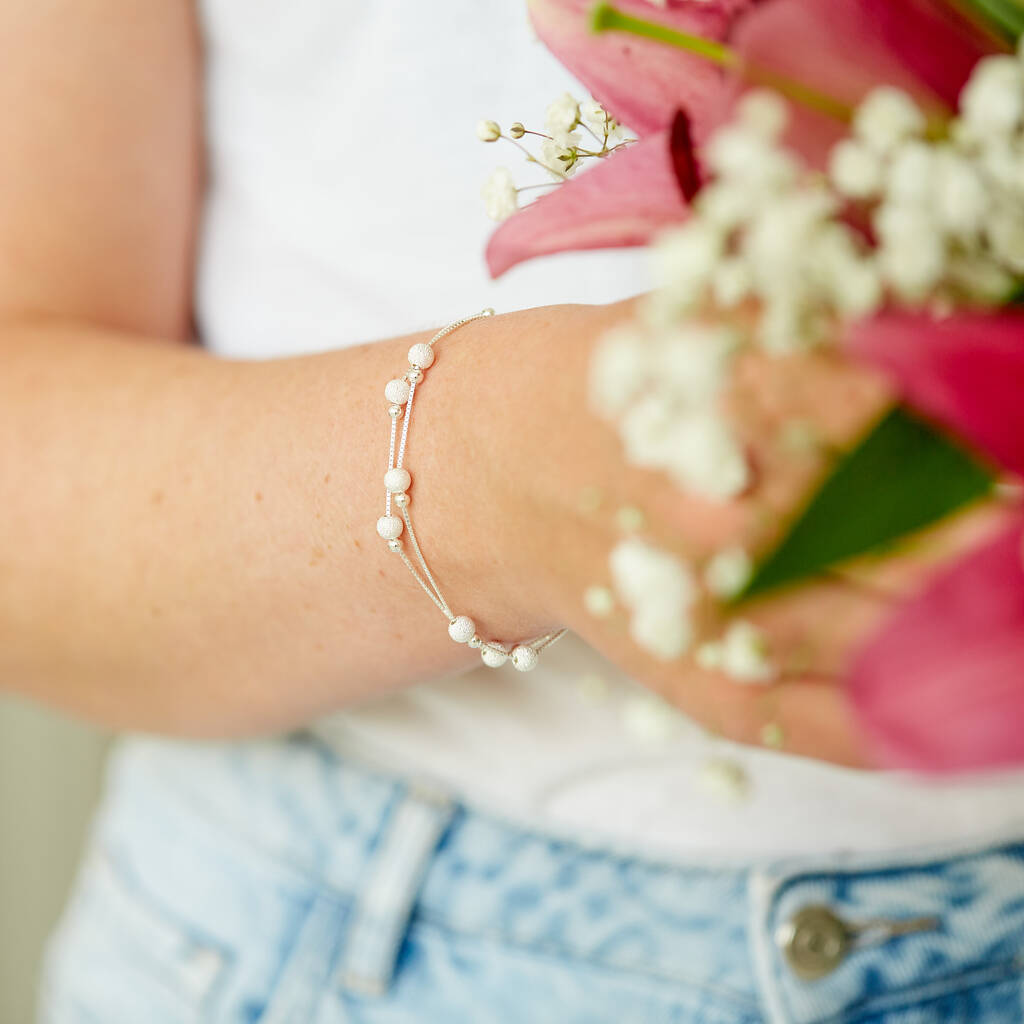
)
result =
(594, 114)
(693, 361)
(728, 572)
(488, 131)
(848, 277)
(646, 431)
(562, 115)
(702, 456)
(733, 150)
(598, 601)
(659, 589)
(667, 633)
(855, 169)
(786, 324)
(1005, 233)
(859, 292)
(1002, 161)
(763, 112)
(910, 174)
(912, 257)
(727, 205)
(992, 102)
(619, 369)
(685, 259)
(559, 154)
(776, 243)
(961, 199)
(745, 654)
(500, 195)
(887, 117)
(645, 576)
(731, 283)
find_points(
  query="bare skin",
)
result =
(187, 544)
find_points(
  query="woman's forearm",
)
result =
(188, 543)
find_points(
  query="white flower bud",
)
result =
(665, 633)
(887, 117)
(518, 130)
(562, 115)
(619, 370)
(992, 102)
(764, 112)
(500, 195)
(961, 199)
(911, 173)
(728, 572)
(488, 131)
(745, 653)
(704, 457)
(594, 114)
(855, 170)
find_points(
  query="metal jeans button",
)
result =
(814, 942)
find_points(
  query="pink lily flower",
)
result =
(941, 687)
(839, 47)
(635, 193)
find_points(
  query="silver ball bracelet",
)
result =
(400, 393)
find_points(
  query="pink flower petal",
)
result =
(941, 688)
(966, 372)
(844, 48)
(641, 82)
(624, 200)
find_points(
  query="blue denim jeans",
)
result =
(271, 882)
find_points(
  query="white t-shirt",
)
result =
(344, 206)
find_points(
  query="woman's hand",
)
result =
(569, 480)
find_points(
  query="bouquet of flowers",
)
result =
(838, 176)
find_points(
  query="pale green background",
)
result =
(49, 779)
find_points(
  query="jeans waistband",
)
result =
(910, 926)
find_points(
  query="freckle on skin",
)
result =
(327, 479)
(359, 546)
(157, 497)
(258, 496)
(317, 555)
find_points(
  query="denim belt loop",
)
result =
(384, 905)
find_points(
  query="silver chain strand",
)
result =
(401, 393)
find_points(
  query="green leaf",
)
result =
(902, 476)
(1005, 16)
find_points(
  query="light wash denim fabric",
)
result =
(272, 883)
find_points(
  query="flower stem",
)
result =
(606, 18)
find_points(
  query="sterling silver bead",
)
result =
(421, 355)
(394, 411)
(462, 630)
(401, 499)
(394, 545)
(396, 391)
(524, 658)
(390, 527)
(397, 479)
(415, 375)
(494, 655)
